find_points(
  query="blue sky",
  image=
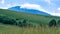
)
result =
(49, 6)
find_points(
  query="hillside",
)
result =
(34, 19)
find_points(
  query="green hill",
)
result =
(33, 19)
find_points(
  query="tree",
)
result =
(58, 22)
(52, 23)
(9, 21)
(24, 23)
(21, 23)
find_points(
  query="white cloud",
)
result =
(2, 1)
(48, 1)
(9, 6)
(30, 6)
(58, 8)
(33, 6)
(6, 6)
(56, 14)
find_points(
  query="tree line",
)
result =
(54, 23)
(11, 21)
(18, 22)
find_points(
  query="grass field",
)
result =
(11, 29)
(31, 18)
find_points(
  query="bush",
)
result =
(52, 23)
(6, 20)
(58, 22)
(21, 23)
(24, 22)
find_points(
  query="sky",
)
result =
(50, 6)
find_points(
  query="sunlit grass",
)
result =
(11, 29)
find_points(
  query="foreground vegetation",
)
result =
(11, 29)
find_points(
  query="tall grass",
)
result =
(11, 29)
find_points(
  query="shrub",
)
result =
(7, 20)
(52, 23)
(21, 23)
(58, 23)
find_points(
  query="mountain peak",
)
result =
(16, 8)
(33, 11)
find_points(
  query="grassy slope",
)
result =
(32, 18)
(11, 29)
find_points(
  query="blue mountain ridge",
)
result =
(33, 11)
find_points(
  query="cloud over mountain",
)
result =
(33, 6)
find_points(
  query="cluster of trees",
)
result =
(54, 23)
(6, 20)
(21, 23)
(18, 22)
(10, 21)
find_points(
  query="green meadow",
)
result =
(35, 24)
(8, 29)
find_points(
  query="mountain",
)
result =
(19, 9)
